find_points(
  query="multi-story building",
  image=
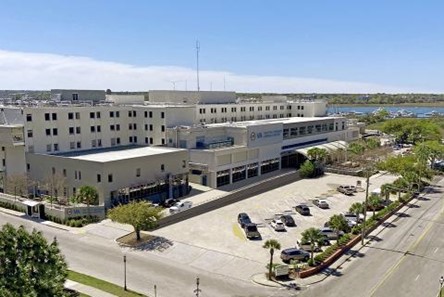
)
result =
(36, 138)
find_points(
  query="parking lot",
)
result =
(219, 230)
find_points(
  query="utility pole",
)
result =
(365, 205)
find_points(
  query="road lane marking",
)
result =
(417, 277)
(411, 247)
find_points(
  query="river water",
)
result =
(419, 111)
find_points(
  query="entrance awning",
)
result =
(31, 203)
(331, 146)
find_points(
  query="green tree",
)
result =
(374, 201)
(307, 169)
(356, 148)
(87, 195)
(141, 215)
(29, 266)
(317, 154)
(271, 245)
(429, 152)
(338, 223)
(412, 130)
(357, 208)
(313, 236)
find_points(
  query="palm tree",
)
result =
(338, 223)
(312, 236)
(357, 208)
(88, 195)
(271, 244)
(374, 201)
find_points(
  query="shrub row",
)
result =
(8, 205)
(74, 222)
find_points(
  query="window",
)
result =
(75, 97)
(29, 117)
(130, 139)
(130, 114)
(110, 178)
(275, 107)
(29, 133)
(151, 140)
(251, 108)
(267, 107)
(130, 126)
(233, 109)
(112, 128)
(4, 162)
(80, 175)
(146, 114)
(93, 143)
(281, 107)
(146, 127)
(134, 113)
(75, 174)
(98, 114)
(138, 172)
(55, 132)
(93, 128)
(242, 109)
(117, 114)
(162, 115)
(79, 144)
(118, 127)
(56, 147)
(135, 139)
(163, 128)
(134, 126)
(77, 130)
(111, 114)
(146, 140)
(70, 115)
(77, 115)
(99, 142)
(113, 141)
(74, 191)
(151, 127)
(259, 108)
(28, 166)
(54, 117)
(163, 140)
(72, 145)
(92, 115)
(118, 140)
(48, 132)
(99, 178)
(64, 172)
(99, 129)
(151, 114)
(47, 118)
(184, 163)
(48, 147)
(162, 167)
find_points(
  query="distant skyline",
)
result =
(285, 46)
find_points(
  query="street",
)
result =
(103, 258)
(405, 259)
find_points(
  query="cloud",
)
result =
(20, 70)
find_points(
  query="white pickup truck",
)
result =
(180, 206)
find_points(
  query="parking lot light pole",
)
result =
(124, 272)
(441, 283)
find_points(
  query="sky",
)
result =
(245, 46)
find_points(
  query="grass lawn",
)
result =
(100, 284)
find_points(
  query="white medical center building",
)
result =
(132, 147)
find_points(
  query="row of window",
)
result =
(93, 115)
(244, 109)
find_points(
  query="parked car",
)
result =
(288, 220)
(306, 246)
(346, 190)
(169, 202)
(303, 209)
(243, 219)
(180, 206)
(321, 203)
(277, 225)
(353, 217)
(294, 254)
(330, 233)
(251, 231)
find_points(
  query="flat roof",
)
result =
(119, 153)
(273, 121)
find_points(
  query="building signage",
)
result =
(264, 134)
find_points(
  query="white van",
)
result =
(180, 206)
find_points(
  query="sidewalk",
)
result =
(93, 292)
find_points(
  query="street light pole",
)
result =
(155, 291)
(365, 206)
(197, 290)
(124, 272)
(441, 283)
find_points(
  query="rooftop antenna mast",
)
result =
(197, 63)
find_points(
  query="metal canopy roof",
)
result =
(331, 146)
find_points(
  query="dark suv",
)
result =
(243, 219)
(294, 254)
(303, 209)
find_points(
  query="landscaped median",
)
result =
(334, 252)
(101, 285)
